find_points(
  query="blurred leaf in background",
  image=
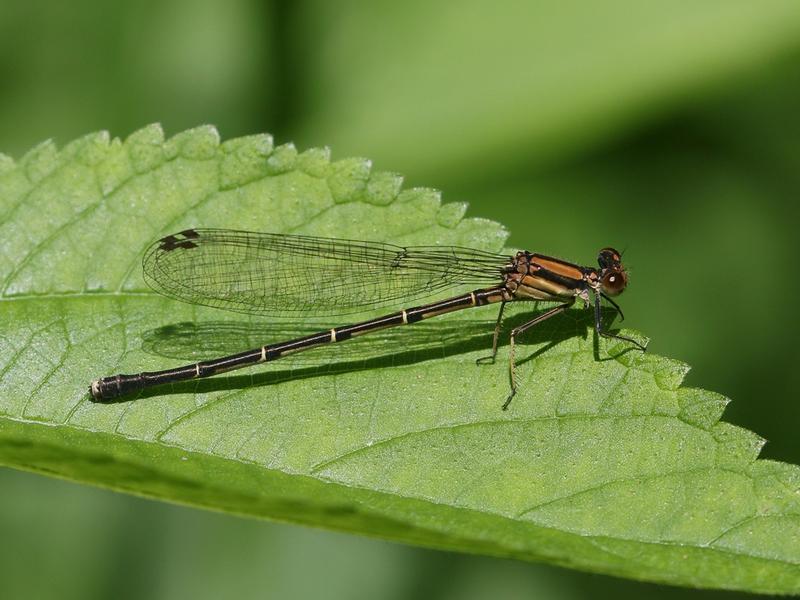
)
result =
(669, 129)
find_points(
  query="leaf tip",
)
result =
(421, 195)
(244, 160)
(261, 144)
(90, 149)
(700, 407)
(199, 143)
(315, 161)
(383, 188)
(451, 214)
(737, 446)
(778, 486)
(152, 134)
(282, 159)
(347, 179)
(145, 148)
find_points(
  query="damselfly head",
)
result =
(609, 259)
(613, 278)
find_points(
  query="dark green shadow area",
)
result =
(195, 341)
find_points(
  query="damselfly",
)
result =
(281, 275)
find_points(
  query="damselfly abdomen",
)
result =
(281, 275)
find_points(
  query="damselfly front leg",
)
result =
(598, 323)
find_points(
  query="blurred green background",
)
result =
(670, 130)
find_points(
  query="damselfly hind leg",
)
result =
(512, 365)
(489, 360)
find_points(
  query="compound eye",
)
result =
(614, 282)
(609, 258)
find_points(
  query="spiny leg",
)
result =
(598, 324)
(521, 329)
(489, 360)
(615, 305)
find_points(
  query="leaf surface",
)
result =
(604, 462)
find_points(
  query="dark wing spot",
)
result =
(179, 240)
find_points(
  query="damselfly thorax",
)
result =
(539, 277)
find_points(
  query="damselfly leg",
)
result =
(489, 360)
(512, 365)
(598, 323)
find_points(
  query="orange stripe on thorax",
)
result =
(556, 266)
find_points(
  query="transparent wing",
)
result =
(274, 274)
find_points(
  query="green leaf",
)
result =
(603, 461)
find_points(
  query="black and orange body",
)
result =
(201, 265)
